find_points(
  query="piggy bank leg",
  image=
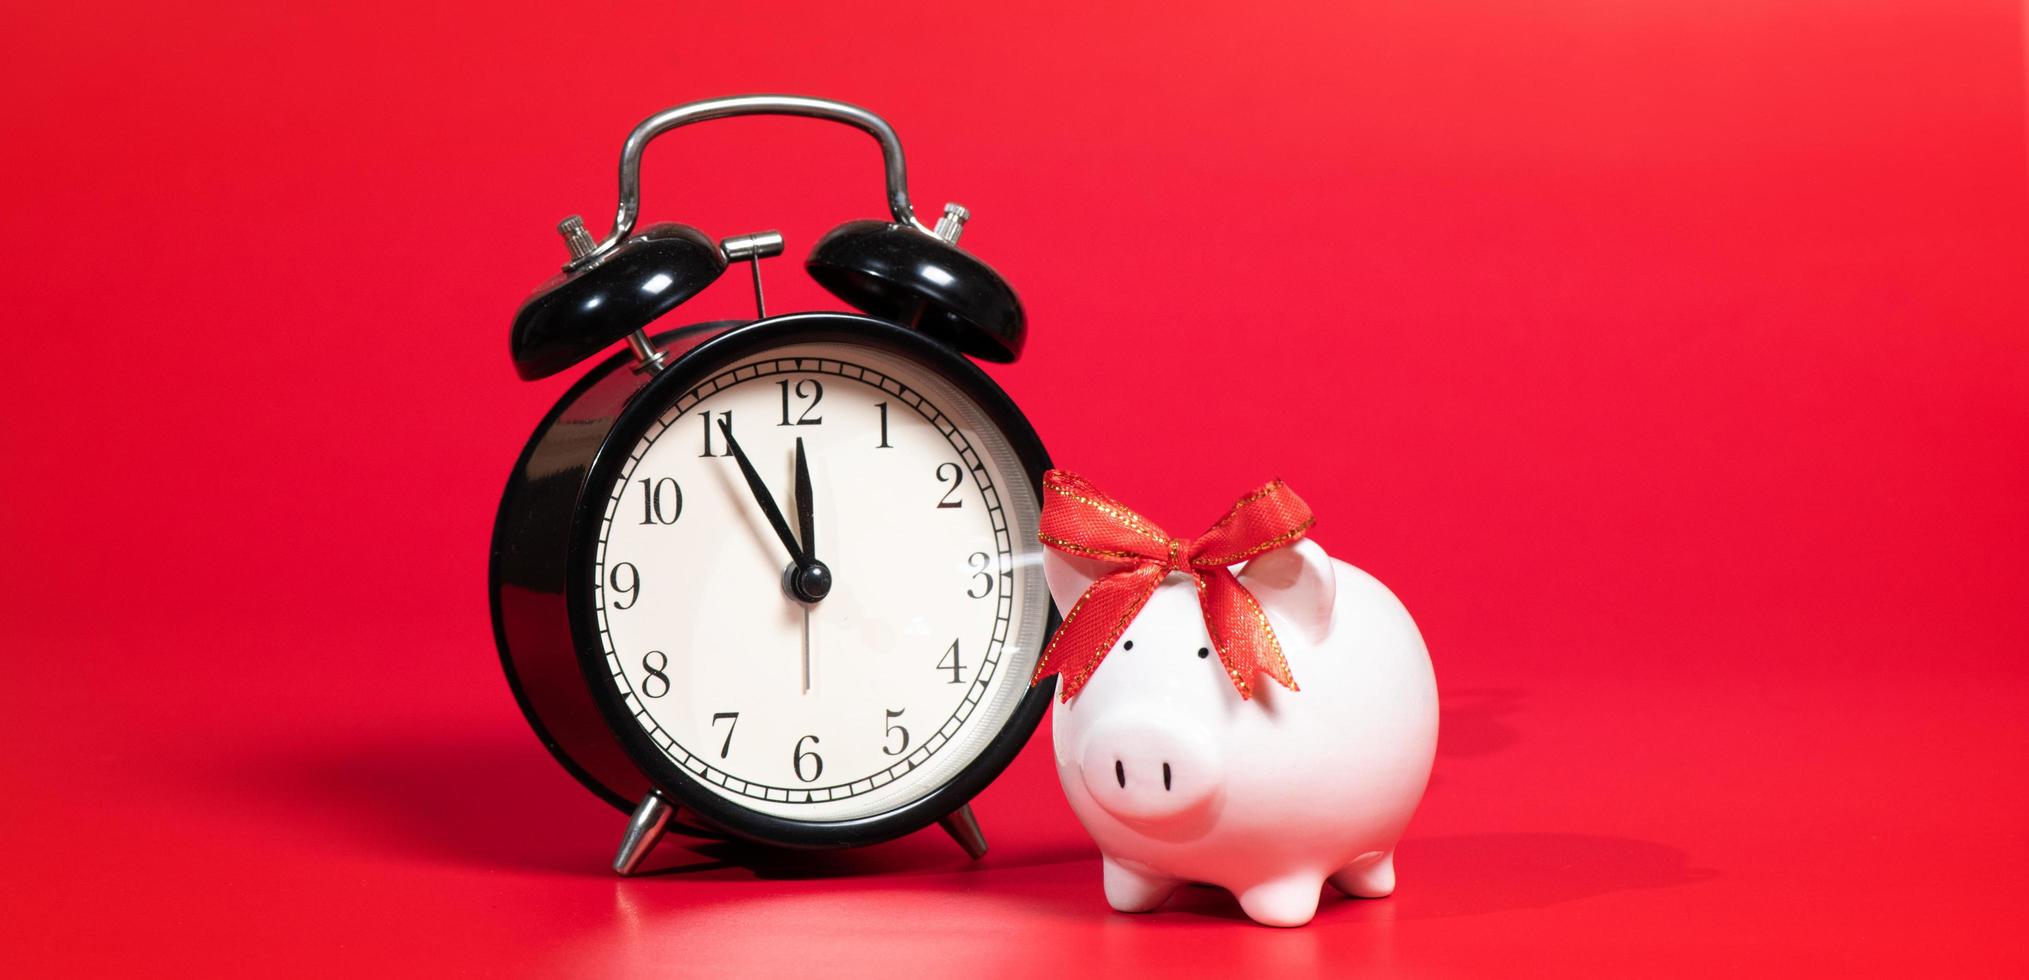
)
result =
(1133, 891)
(1290, 900)
(1370, 875)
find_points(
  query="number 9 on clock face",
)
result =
(816, 582)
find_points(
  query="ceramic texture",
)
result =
(1180, 780)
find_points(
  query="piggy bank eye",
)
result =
(1129, 645)
(1204, 652)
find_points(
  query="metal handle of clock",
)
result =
(751, 105)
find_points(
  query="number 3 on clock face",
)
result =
(898, 677)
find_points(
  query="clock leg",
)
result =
(645, 828)
(964, 828)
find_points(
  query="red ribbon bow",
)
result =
(1080, 519)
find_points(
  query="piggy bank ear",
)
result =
(1296, 585)
(1069, 577)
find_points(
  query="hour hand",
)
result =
(762, 496)
(806, 529)
(811, 581)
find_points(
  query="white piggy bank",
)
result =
(1180, 780)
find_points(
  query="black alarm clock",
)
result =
(776, 578)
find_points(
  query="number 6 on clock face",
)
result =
(875, 693)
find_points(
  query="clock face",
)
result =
(885, 688)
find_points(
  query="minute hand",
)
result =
(762, 496)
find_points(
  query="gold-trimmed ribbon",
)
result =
(1080, 519)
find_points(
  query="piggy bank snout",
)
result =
(1143, 772)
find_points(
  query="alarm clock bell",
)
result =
(898, 270)
(899, 274)
(589, 306)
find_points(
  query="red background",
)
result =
(1668, 359)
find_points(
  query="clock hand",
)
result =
(806, 531)
(805, 518)
(762, 496)
(807, 578)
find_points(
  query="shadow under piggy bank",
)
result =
(1474, 874)
(1479, 874)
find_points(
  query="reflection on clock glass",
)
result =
(884, 689)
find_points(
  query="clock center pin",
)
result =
(809, 583)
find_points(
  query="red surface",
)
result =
(1668, 359)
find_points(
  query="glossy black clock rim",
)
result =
(527, 553)
(495, 594)
(642, 410)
